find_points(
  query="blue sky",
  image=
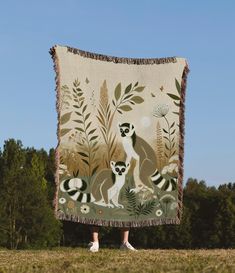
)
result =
(201, 31)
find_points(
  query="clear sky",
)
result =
(201, 31)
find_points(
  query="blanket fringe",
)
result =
(57, 155)
(123, 60)
(113, 223)
(181, 142)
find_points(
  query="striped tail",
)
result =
(165, 184)
(75, 187)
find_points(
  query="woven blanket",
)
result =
(119, 158)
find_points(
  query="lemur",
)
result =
(145, 172)
(105, 187)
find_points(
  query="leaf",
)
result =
(125, 108)
(119, 111)
(139, 88)
(167, 147)
(84, 160)
(79, 129)
(166, 138)
(113, 103)
(178, 87)
(153, 95)
(88, 125)
(172, 132)
(64, 132)
(137, 99)
(177, 113)
(128, 88)
(136, 84)
(75, 106)
(91, 132)
(127, 97)
(65, 118)
(87, 116)
(165, 131)
(177, 104)
(79, 114)
(78, 121)
(83, 154)
(172, 125)
(95, 169)
(174, 97)
(93, 138)
(84, 108)
(117, 92)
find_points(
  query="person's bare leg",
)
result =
(125, 245)
(94, 244)
(95, 233)
(124, 235)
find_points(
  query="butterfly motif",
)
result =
(153, 95)
(161, 88)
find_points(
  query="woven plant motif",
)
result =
(120, 138)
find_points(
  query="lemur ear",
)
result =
(112, 164)
(132, 126)
(119, 124)
(127, 164)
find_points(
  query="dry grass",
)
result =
(80, 260)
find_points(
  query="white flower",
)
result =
(159, 212)
(173, 205)
(85, 209)
(174, 157)
(62, 200)
(160, 110)
(170, 168)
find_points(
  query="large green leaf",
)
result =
(137, 99)
(173, 96)
(65, 118)
(139, 88)
(125, 108)
(128, 88)
(178, 87)
(117, 92)
(64, 132)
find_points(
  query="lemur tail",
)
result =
(75, 187)
(163, 183)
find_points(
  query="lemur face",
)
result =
(119, 168)
(126, 129)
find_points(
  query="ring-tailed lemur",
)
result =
(105, 187)
(145, 172)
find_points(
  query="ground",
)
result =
(113, 260)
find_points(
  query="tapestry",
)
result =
(119, 158)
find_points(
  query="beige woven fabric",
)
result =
(120, 138)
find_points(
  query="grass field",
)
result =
(80, 260)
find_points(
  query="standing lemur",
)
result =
(145, 172)
(105, 187)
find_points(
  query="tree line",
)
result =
(27, 189)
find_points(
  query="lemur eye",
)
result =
(127, 131)
(117, 169)
(123, 170)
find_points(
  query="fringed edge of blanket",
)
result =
(181, 143)
(114, 223)
(57, 156)
(123, 60)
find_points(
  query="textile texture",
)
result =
(119, 158)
